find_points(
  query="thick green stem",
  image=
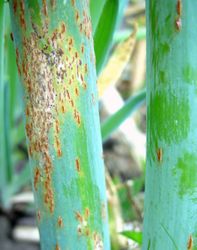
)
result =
(55, 59)
(171, 175)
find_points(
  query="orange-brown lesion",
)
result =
(37, 176)
(60, 222)
(77, 164)
(190, 243)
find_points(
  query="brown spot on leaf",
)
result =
(79, 217)
(77, 91)
(77, 15)
(59, 152)
(79, 230)
(63, 28)
(57, 247)
(178, 23)
(87, 213)
(15, 5)
(179, 7)
(36, 177)
(38, 215)
(159, 154)
(73, 2)
(53, 3)
(87, 232)
(44, 10)
(60, 222)
(77, 165)
(82, 48)
(190, 243)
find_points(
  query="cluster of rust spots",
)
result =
(190, 243)
(57, 136)
(159, 154)
(178, 22)
(54, 76)
(83, 228)
(83, 21)
(60, 222)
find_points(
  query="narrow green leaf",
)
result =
(19, 181)
(96, 8)
(2, 128)
(104, 33)
(120, 36)
(135, 236)
(115, 120)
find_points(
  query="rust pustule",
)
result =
(159, 154)
(82, 48)
(87, 232)
(15, 5)
(79, 217)
(77, 164)
(22, 7)
(36, 177)
(57, 126)
(44, 9)
(59, 152)
(57, 247)
(190, 243)
(17, 61)
(87, 213)
(60, 222)
(179, 7)
(77, 15)
(22, 14)
(63, 28)
(53, 3)
(79, 230)
(38, 215)
(63, 108)
(77, 91)
(178, 23)
(86, 68)
(73, 2)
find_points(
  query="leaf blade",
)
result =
(116, 119)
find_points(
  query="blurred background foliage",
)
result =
(120, 48)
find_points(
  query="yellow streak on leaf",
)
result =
(117, 63)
